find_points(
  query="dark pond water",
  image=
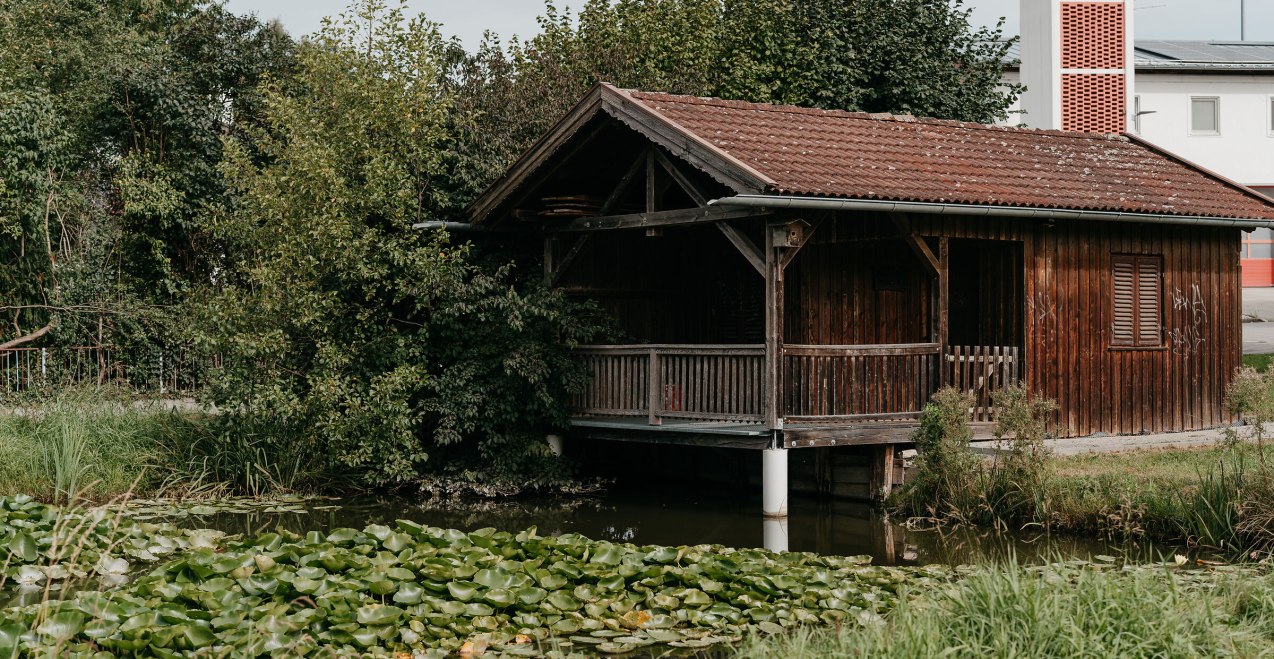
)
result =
(682, 517)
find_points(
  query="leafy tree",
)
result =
(908, 56)
(112, 116)
(375, 347)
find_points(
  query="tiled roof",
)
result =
(802, 151)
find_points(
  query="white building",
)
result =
(1210, 102)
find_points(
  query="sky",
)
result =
(468, 19)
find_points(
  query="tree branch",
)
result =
(28, 338)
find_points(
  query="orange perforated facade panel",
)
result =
(1093, 102)
(1092, 35)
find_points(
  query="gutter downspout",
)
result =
(825, 203)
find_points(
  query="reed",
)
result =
(1059, 611)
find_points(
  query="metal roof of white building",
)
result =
(1156, 55)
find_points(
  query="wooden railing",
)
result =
(696, 382)
(856, 383)
(820, 383)
(981, 371)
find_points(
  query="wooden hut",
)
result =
(788, 277)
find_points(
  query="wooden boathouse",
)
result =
(787, 278)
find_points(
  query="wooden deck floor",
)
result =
(751, 436)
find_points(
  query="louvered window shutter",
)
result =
(1148, 314)
(1123, 301)
(1136, 301)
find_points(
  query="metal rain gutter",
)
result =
(778, 202)
(455, 226)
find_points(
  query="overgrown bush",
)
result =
(943, 484)
(1013, 484)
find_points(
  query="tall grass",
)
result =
(1060, 611)
(98, 443)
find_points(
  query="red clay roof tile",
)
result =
(855, 155)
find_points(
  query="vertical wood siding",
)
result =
(1068, 356)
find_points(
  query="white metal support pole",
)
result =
(44, 368)
(161, 374)
(774, 534)
(774, 482)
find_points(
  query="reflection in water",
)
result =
(687, 517)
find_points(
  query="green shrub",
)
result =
(945, 467)
(1013, 484)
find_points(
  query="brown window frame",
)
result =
(1138, 339)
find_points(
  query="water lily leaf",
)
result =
(23, 546)
(198, 636)
(607, 554)
(462, 590)
(397, 542)
(550, 581)
(499, 597)
(476, 609)
(564, 601)
(9, 640)
(452, 607)
(342, 536)
(613, 582)
(377, 614)
(493, 578)
(531, 595)
(770, 627)
(62, 626)
(565, 626)
(409, 593)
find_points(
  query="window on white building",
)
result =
(1271, 125)
(1205, 115)
(1136, 114)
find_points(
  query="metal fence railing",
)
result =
(22, 369)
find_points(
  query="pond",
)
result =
(687, 516)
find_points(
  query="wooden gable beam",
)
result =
(622, 186)
(916, 243)
(746, 247)
(682, 180)
(559, 268)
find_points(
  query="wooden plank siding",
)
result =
(1176, 386)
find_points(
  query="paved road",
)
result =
(1258, 337)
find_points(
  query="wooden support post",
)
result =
(550, 254)
(776, 236)
(654, 390)
(882, 471)
(944, 306)
(650, 181)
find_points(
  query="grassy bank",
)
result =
(1219, 499)
(1061, 611)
